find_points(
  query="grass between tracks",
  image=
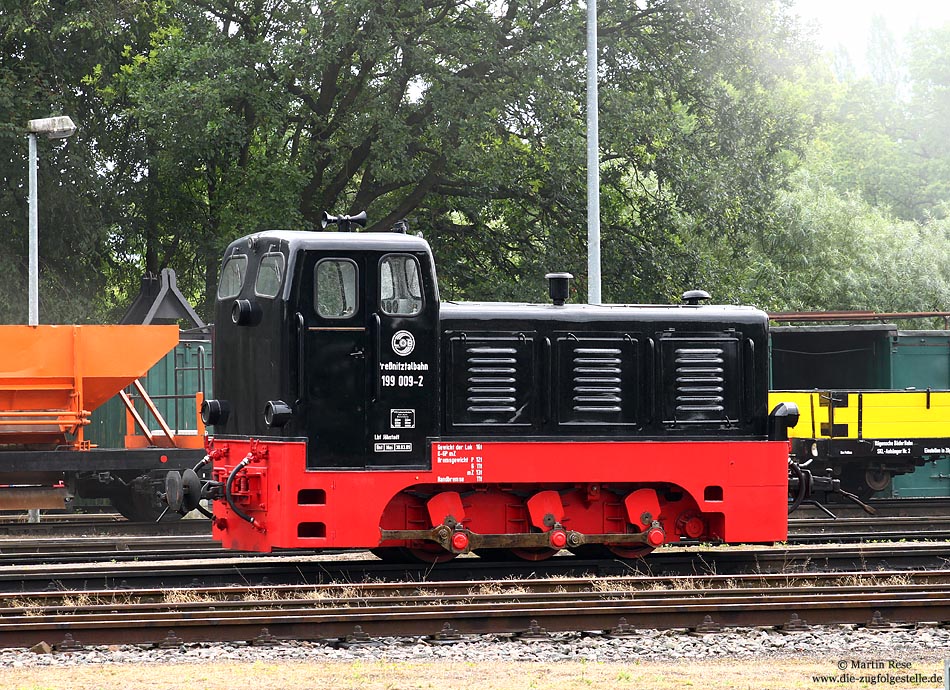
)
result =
(723, 674)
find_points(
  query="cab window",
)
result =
(335, 288)
(232, 276)
(400, 285)
(269, 275)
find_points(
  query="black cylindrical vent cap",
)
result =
(694, 297)
(559, 287)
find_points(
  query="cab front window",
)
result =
(232, 276)
(400, 285)
(335, 288)
(269, 275)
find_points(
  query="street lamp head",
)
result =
(53, 127)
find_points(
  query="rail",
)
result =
(531, 609)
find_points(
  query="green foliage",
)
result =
(837, 252)
(732, 160)
(863, 223)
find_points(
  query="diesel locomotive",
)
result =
(354, 409)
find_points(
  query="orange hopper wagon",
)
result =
(52, 377)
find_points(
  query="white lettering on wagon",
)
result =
(893, 447)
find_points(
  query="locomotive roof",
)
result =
(599, 312)
(335, 241)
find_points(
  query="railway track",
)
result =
(884, 507)
(34, 551)
(99, 524)
(191, 538)
(860, 529)
(448, 611)
(808, 524)
(301, 568)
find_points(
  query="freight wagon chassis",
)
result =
(867, 466)
(130, 478)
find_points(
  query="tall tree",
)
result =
(207, 119)
(46, 49)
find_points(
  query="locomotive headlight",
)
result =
(814, 450)
(277, 413)
(215, 412)
(245, 312)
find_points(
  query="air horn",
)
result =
(343, 223)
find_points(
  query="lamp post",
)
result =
(593, 160)
(53, 128)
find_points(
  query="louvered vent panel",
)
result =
(492, 383)
(700, 382)
(597, 378)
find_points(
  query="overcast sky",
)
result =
(848, 22)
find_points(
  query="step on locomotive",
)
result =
(354, 409)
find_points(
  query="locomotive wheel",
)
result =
(391, 554)
(630, 552)
(539, 554)
(408, 511)
(426, 552)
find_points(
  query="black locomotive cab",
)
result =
(331, 338)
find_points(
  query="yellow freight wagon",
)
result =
(866, 437)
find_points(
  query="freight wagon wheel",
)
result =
(864, 482)
(877, 480)
(137, 505)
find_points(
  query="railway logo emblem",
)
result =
(403, 343)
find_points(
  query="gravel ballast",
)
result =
(648, 645)
(739, 659)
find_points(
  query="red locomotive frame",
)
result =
(530, 496)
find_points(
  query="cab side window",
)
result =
(400, 285)
(269, 275)
(335, 288)
(232, 276)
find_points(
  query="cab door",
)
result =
(404, 395)
(333, 345)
